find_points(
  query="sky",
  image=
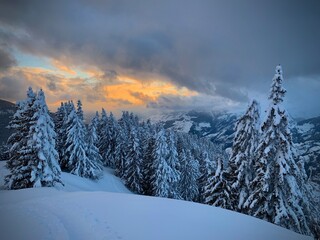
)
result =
(155, 56)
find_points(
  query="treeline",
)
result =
(148, 158)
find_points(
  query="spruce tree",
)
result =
(278, 186)
(243, 153)
(163, 175)
(113, 129)
(218, 192)
(189, 189)
(20, 124)
(68, 107)
(147, 170)
(44, 164)
(104, 138)
(173, 162)
(79, 163)
(133, 173)
(60, 118)
(121, 144)
(92, 140)
(206, 169)
(35, 164)
(79, 110)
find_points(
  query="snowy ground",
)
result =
(84, 209)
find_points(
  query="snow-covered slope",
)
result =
(306, 134)
(219, 128)
(84, 209)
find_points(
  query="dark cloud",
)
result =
(225, 48)
(6, 60)
(52, 82)
(109, 77)
(13, 88)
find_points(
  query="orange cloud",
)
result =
(124, 93)
(62, 67)
(140, 93)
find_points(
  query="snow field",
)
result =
(85, 209)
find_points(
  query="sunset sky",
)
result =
(147, 56)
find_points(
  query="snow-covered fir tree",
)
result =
(104, 138)
(63, 130)
(45, 167)
(36, 163)
(312, 193)
(92, 141)
(190, 173)
(133, 170)
(60, 119)
(148, 144)
(218, 192)
(113, 129)
(206, 169)
(20, 124)
(121, 144)
(278, 186)
(79, 110)
(146, 136)
(4, 152)
(163, 176)
(242, 157)
(79, 163)
(173, 162)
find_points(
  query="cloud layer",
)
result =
(216, 48)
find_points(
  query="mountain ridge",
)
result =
(219, 127)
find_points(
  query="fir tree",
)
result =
(147, 170)
(217, 192)
(79, 164)
(206, 169)
(60, 118)
(133, 174)
(20, 124)
(104, 138)
(163, 175)
(79, 110)
(92, 140)
(189, 189)
(37, 162)
(45, 167)
(173, 162)
(242, 157)
(63, 131)
(121, 146)
(113, 129)
(278, 185)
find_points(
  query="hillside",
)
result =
(7, 109)
(219, 128)
(84, 209)
(306, 134)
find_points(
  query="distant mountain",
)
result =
(306, 134)
(219, 128)
(7, 110)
